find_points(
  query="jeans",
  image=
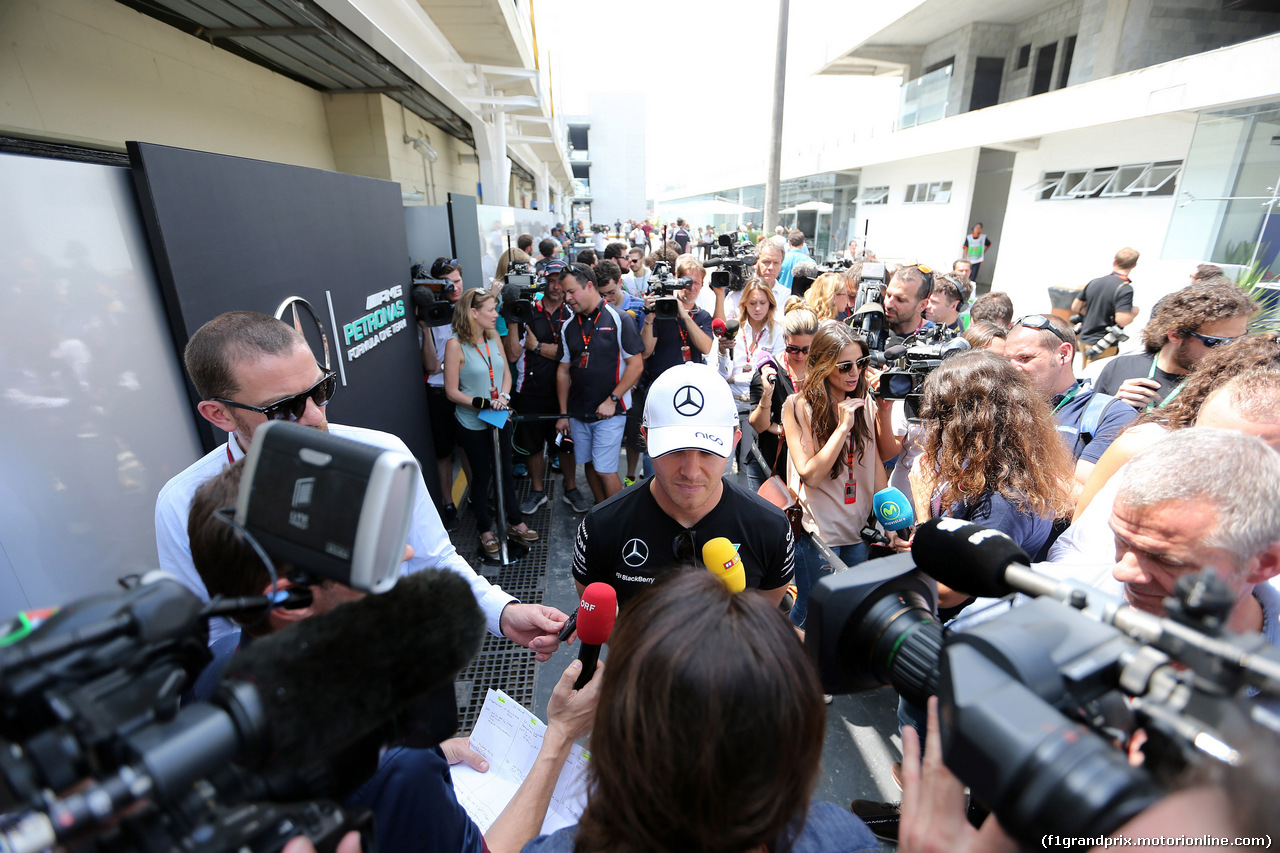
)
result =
(811, 567)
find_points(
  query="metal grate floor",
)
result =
(500, 663)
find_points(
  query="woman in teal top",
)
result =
(476, 378)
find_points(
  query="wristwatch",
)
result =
(613, 397)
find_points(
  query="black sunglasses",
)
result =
(292, 408)
(685, 546)
(795, 350)
(1039, 321)
(846, 366)
(1212, 341)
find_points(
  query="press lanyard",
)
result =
(1070, 394)
(1151, 374)
(586, 339)
(850, 485)
(493, 386)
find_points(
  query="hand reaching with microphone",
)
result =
(534, 626)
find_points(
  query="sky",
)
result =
(706, 68)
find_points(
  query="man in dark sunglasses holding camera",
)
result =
(1184, 326)
(249, 368)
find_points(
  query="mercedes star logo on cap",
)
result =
(688, 401)
(635, 553)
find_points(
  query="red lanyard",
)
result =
(493, 386)
(586, 339)
(752, 345)
(551, 321)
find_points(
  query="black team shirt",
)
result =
(628, 542)
(607, 338)
(539, 375)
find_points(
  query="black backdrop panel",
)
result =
(229, 233)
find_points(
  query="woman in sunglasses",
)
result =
(832, 460)
(476, 379)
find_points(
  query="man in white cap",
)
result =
(661, 525)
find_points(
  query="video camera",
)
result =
(911, 363)
(732, 258)
(432, 297)
(520, 287)
(1036, 703)
(663, 284)
(867, 317)
(98, 751)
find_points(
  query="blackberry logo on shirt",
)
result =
(635, 553)
(688, 401)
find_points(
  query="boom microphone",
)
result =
(721, 559)
(596, 612)
(967, 557)
(330, 679)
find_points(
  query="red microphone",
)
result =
(717, 327)
(596, 613)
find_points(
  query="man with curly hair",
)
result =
(1184, 326)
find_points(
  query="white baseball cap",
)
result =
(690, 407)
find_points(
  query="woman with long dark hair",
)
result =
(832, 462)
(708, 733)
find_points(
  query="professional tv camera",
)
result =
(432, 297)
(867, 317)
(1036, 702)
(99, 754)
(1114, 337)
(663, 285)
(520, 287)
(911, 361)
(730, 261)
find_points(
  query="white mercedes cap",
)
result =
(690, 407)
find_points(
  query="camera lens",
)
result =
(902, 642)
(900, 384)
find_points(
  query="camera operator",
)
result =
(600, 360)
(249, 368)
(1184, 327)
(661, 525)
(771, 385)
(832, 462)
(1107, 301)
(432, 340)
(687, 337)
(904, 302)
(1043, 347)
(535, 394)
(511, 334)
(411, 794)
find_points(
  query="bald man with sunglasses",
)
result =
(249, 368)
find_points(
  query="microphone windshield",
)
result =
(892, 509)
(966, 557)
(596, 613)
(721, 559)
(717, 327)
(895, 352)
(328, 680)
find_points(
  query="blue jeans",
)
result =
(811, 567)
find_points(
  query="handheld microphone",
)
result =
(893, 510)
(722, 560)
(596, 612)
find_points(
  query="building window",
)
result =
(875, 195)
(1024, 57)
(1135, 179)
(1064, 72)
(935, 192)
(1043, 77)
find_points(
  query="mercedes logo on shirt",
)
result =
(688, 401)
(635, 553)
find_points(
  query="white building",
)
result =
(1070, 129)
(607, 154)
(438, 96)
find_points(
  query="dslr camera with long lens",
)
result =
(98, 749)
(1038, 702)
(1114, 337)
(664, 285)
(729, 262)
(432, 297)
(911, 362)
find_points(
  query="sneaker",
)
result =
(519, 470)
(628, 482)
(577, 500)
(531, 503)
(449, 518)
(555, 462)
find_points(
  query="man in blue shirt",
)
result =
(1043, 347)
(797, 251)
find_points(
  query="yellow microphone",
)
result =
(722, 560)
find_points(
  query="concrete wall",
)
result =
(1069, 242)
(95, 71)
(930, 233)
(1161, 30)
(617, 147)
(1052, 26)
